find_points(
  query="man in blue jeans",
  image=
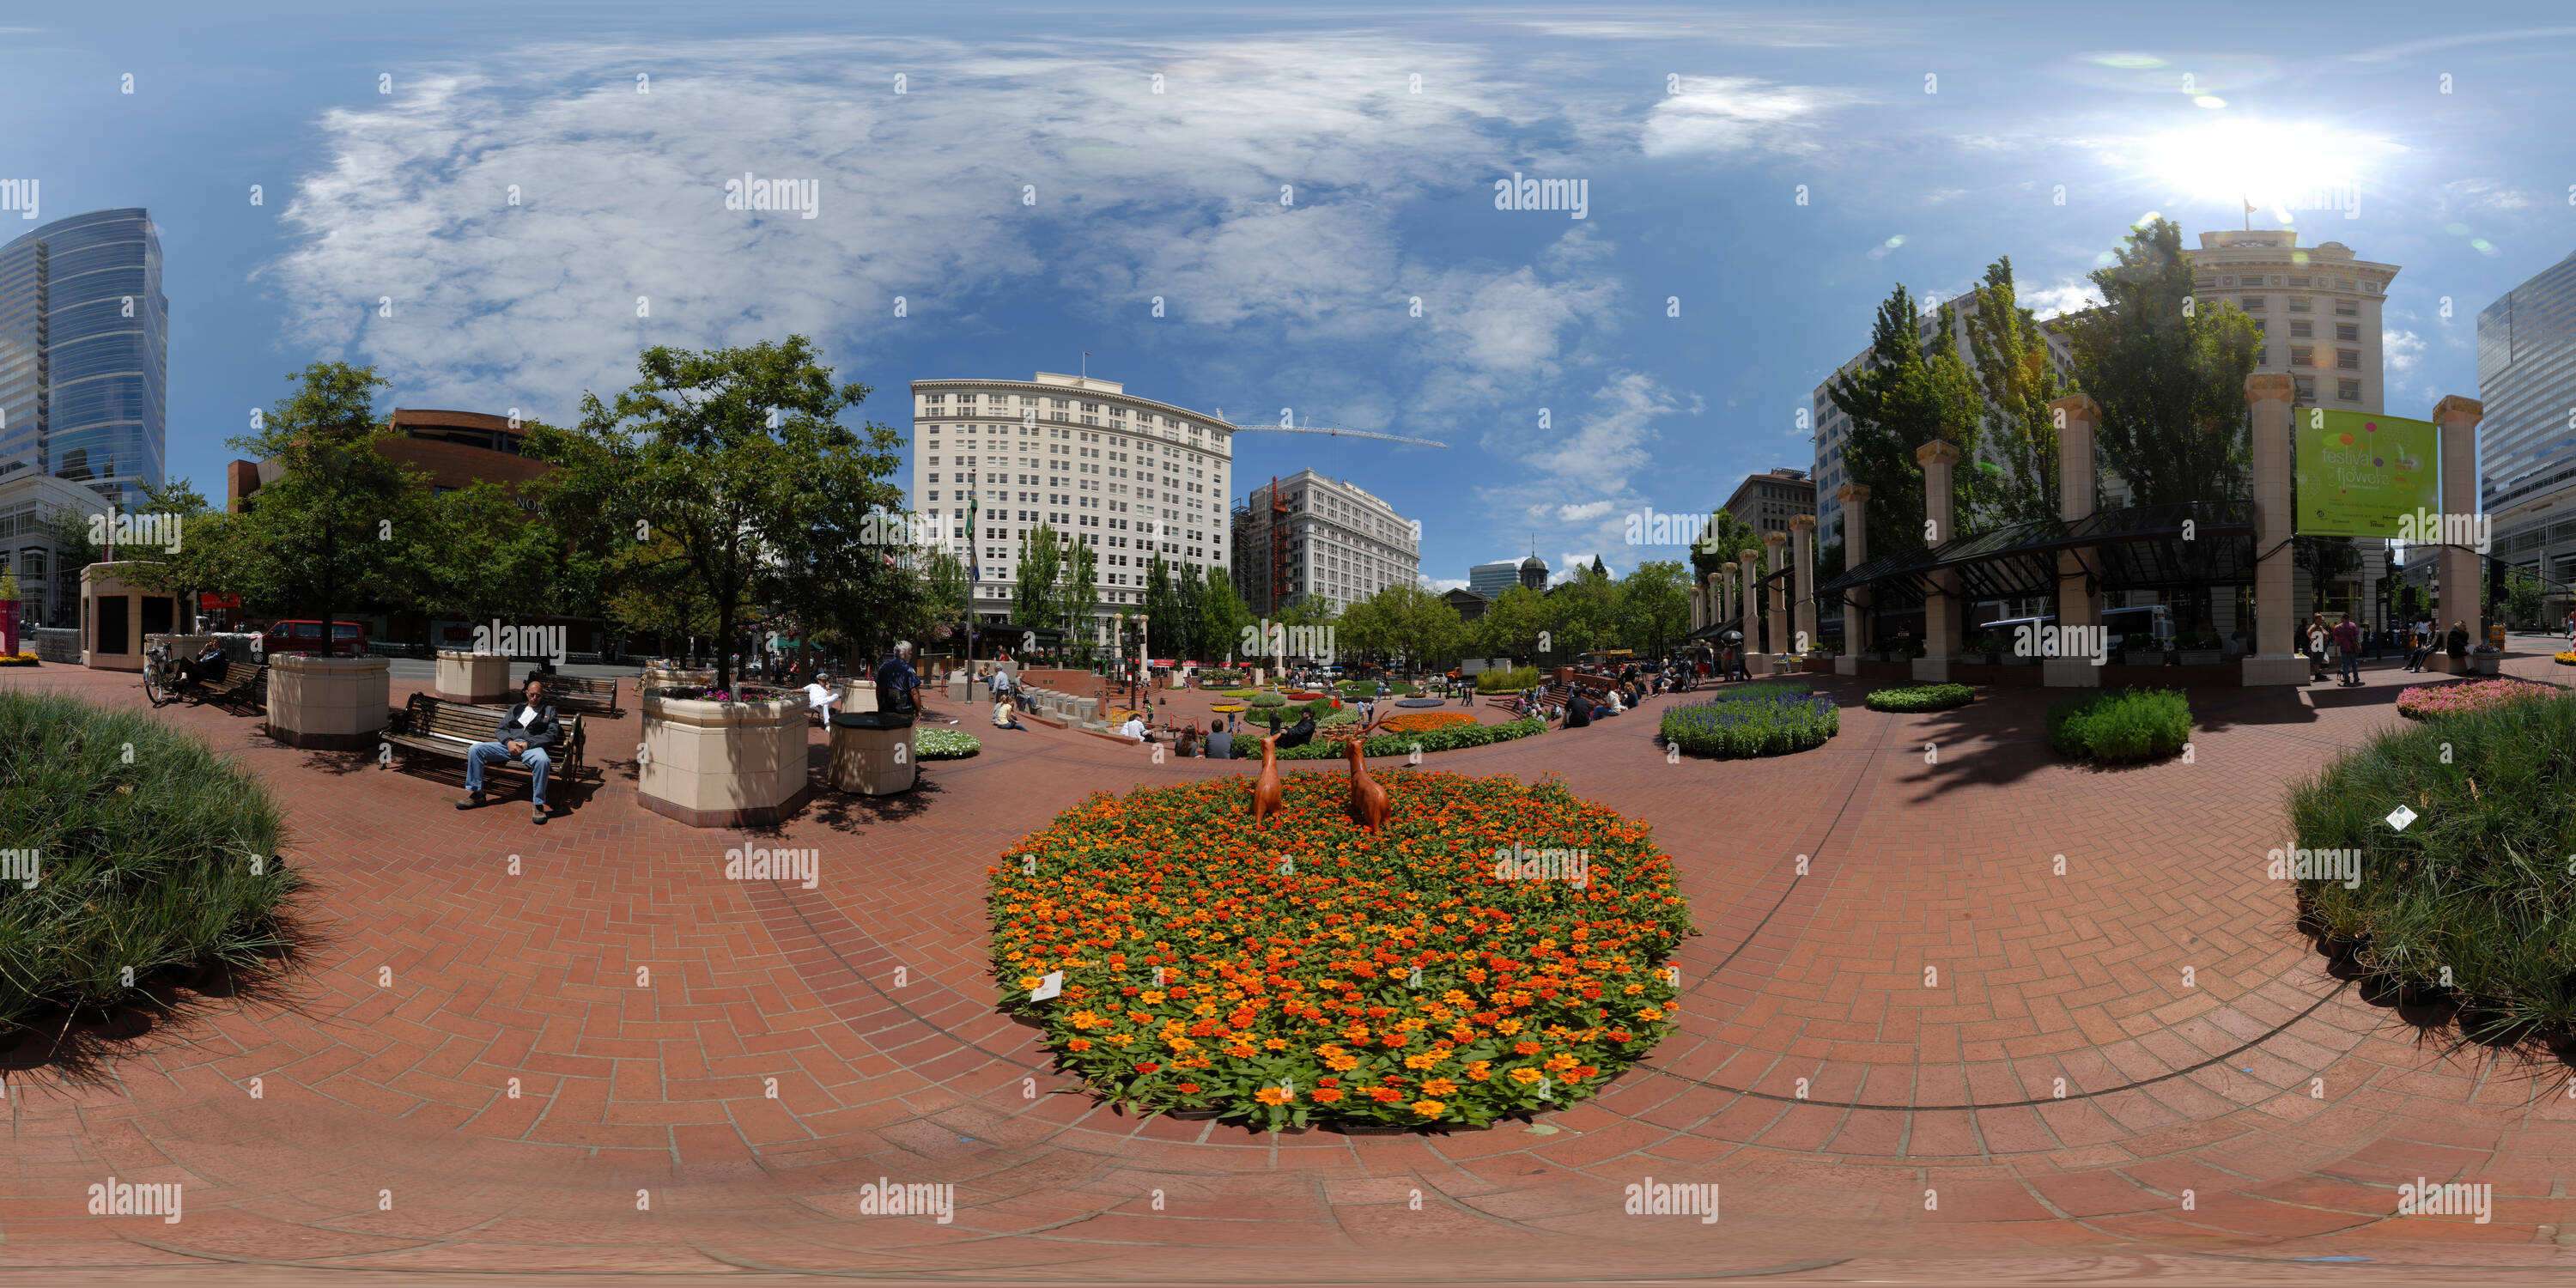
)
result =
(2347, 638)
(526, 731)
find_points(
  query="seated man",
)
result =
(1578, 712)
(1135, 729)
(1299, 734)
(1220, 744)
(819, 698)
(206, 667)
(527, 729)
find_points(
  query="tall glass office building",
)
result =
(84, 369)
(2527, 452)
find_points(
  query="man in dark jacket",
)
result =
(526, 732)
(1220, 744)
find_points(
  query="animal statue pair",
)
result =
(1369, 805)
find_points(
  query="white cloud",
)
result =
(1587, 510)
(1567, 563)
(2069, 295)
(1443, 585)
(1739, 114)
(1136, 194)
(2402, 351)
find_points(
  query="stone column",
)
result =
(1802, 542)
(1855, 499)
(2078, 418)
(1940, 605)
(1747, 579)
(2458, 418)
(1695, 622)
(1776, 638)
(2275, 659)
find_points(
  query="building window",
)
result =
(2348, 390)
(2348, 331)
(2308, 391)
(2302, 356)
(2263, 356)
(2347, 309)
(2300, 305)
(2348, 359)
(2302, 330)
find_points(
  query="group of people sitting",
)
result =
(2454, 644)
(1216, 744)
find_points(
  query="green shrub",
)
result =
(1511, 681)
(144, 862)
(2126, 725)
(1403, 744)
(1241, 693)
(1264, 699)
(1368, 688)
(1921, 697)
(2477, 884)
(1753, 720)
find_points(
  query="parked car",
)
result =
(306, 637)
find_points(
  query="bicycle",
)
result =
(161, 675)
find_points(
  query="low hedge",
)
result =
(1754, 720)
(152, 853)
(2473, 898)
(1368, 688)
(1511, 681)
(1404, 744)
(2123, 726)
(1920, 697)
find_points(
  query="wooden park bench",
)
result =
(449, 729)
(243, 685)
(576, 693)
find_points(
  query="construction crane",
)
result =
(1334, 431)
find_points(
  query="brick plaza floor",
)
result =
(1817, 1077)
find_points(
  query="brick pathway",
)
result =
(615, 1059)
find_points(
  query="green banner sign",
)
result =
(2359, 473)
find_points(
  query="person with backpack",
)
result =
(898, 686)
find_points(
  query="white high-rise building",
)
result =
(2318, 308)
(1311, 535)
(1128, 476)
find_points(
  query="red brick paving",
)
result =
(1817, 1075)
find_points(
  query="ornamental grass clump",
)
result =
(1754, 720)
(1267, 700)
(2123, 726)
(2473, 897)
(1921, 697)
(1305, 971)
(1509, 681)
(141, 864)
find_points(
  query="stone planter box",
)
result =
(470, 677)
(2485, 663)
(328, 703)
(857, 695)
(679, 677)
(723, 764)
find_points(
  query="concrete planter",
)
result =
(679, 677)
(857, 695)
(2485, 663)
(723, 764)
(465, 676)
(328, 703)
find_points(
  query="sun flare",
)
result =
(2277, 166)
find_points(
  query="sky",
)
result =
(1262, 208)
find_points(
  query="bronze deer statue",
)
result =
(1266, 792)
(1368, 796)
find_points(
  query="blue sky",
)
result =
(1029, 194)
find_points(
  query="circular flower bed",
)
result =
(944, 744)
(1267, 700)
(1241, 693)
(1421, 702)
(22, 659)
(1310, 971)
(1759, 719)
(1425, 722)
(1226, 708)
(2425, 700)
(1304, 696)
(1921, 697)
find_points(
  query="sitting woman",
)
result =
(1005, 717)
(1189, 741)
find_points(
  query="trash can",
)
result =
(872, 753)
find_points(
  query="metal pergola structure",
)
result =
(2149, 547)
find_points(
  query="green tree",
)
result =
(689, 451)
(1041, 566)
(339, 527)
(482, 556)
(1510, 627)
(1655, 606)
(1077, 596)
(1903, 396)
(2169, 372)
(1223, 616)
(2011, 358)
(2522, 598)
